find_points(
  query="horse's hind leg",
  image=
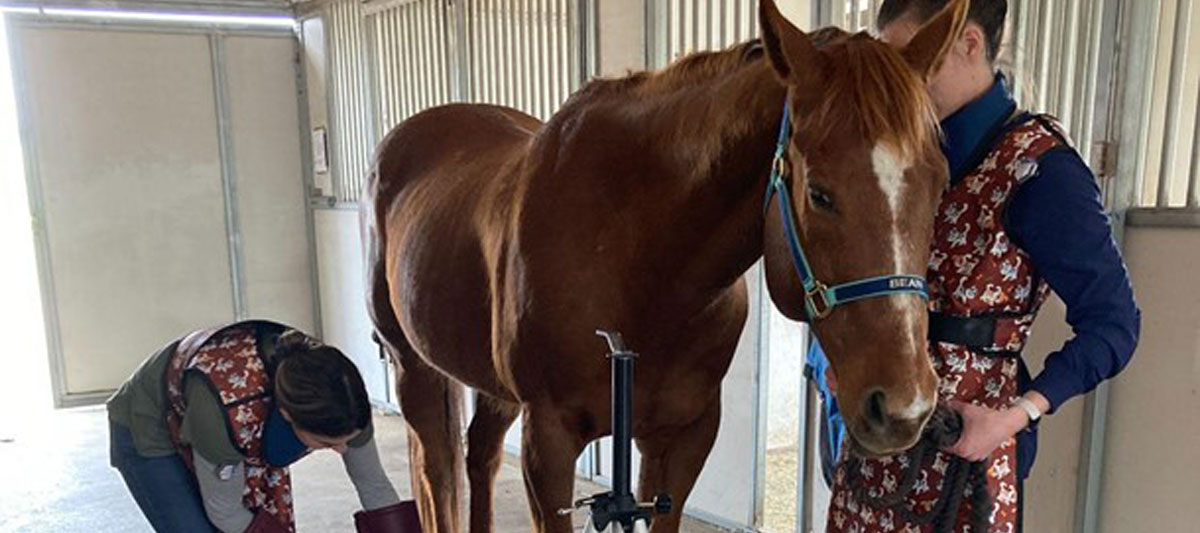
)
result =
(485, 444)
(548, 452)
(432, 407)
(672, 460)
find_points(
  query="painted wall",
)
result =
(345, 323)
(1152, 465)
(122, 130)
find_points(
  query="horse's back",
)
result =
(438, 179)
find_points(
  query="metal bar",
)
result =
(759, 408)
(425, 58)
(737, 22)
(1183, 10)
(1019, 38)
(16, 25)
(1193, 188)
(573, 43)
(694, 15)
(708, 24)
(721, 24)
(527, 56)
(486, 83)
(404, 36)
(807, 464)
(555, 42)
(1091, 79)
(681, 27)
(386, 67)
(429, 56)
(1066, 73)
(507, 97)
(412, 54)
(1162, 218)
(1044, 59)
(306, 171)
(233, 227)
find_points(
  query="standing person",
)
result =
(1022, 216)
(204, 431)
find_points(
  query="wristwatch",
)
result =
(1029, 407)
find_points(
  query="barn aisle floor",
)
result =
(56, 478)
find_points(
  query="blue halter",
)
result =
(819, 298)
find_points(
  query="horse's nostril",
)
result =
(875, 413)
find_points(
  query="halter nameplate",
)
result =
(819, 298)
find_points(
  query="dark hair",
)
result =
(988, 14)
(320, 388)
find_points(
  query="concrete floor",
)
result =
(54, 477)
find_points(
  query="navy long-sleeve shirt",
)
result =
(1057, 217)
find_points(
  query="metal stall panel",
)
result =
(352, 132)
(410, 58)
(126, 190)
(277, 277)
(686, 26)
(526, 54)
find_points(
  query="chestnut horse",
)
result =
(499, 244)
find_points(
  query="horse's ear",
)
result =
(792, 53)
(928, 48)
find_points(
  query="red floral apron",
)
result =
(974, 271)
(228, 360)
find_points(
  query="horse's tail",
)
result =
(373, 228)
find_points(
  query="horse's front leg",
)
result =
(672, 459)
(548, 452)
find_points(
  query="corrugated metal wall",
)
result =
(687, 26)
(410, 59)
(392, 59)
(351, 134)
(526, 54)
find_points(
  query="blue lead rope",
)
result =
(820, 299)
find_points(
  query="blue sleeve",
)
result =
(1058, 219)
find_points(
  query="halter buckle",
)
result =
(779, 166)
(818, 300)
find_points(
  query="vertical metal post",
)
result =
(233, 228)
(1183, 11)
(622, 423)
(1193, 187)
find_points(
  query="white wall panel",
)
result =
(342, 282)
(126, 160)
(277, 269)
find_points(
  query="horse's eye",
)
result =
(821, 200)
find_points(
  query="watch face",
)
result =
(225, 472)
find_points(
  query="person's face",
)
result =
(953, 84)
(320, 442)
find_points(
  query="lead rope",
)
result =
(961, 476)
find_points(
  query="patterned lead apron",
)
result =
(228, 359)
(974, 271)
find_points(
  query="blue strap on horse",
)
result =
(819, 298)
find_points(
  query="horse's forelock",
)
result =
(870, 86)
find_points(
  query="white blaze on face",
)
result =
(890, 166)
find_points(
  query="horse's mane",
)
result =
(868, 84)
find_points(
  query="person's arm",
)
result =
(374, 489)
(221, 490)
(1058, 219)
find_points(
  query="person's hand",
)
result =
(985, 429)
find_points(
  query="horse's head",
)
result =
(863, 175)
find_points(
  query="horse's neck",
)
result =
(717, 155)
